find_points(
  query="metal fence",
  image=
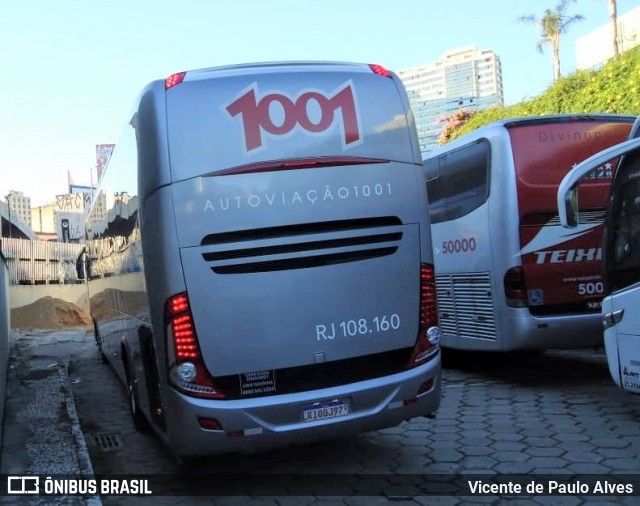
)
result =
(40, 262)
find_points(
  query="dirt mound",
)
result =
(49, 313)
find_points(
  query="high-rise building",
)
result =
(596, 47)
(43, 219)
(20, 205)
(465, 78)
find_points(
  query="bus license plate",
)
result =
(322, 411)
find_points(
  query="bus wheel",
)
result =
(96, 335)
(139, 421)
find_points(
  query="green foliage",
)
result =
(612, 89)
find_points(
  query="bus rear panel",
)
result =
(287, 258)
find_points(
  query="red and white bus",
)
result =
(509, 276)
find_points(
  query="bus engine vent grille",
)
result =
(302, 246)
(465, 305)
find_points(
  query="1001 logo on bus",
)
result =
(311, 111)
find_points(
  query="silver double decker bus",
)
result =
(259, 259)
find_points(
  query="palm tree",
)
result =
(553, 24)
(613, 19)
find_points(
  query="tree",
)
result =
(553, 23)
(613, 19)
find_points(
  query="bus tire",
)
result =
(96, 336)
(452, 358)
(139, 421)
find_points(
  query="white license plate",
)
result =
(322, 411)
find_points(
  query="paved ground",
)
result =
(541, 416)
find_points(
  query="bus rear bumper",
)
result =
(521, 331)
(257, 424)
(556, 332)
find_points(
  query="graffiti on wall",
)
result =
(73, 202)
(71, 213)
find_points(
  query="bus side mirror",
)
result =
(571, 207)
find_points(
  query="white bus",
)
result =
(621, 253)
(264, 271)
(509, 277)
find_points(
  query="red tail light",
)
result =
(427, 342)
(514, 287)
(174, 80)
(189, 373)
(298, 163)
(380, 70)
(184, 335)
(428, 306)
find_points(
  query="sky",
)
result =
(71, 69)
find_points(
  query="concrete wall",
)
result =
(5, 326)
(22, 295)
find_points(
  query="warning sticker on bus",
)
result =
(630, 379)
(257, 383)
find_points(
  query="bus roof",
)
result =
(561, 118)
(524, 121)
(275, 66)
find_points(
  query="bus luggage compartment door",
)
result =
(294, 300)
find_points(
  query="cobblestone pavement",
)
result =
(543, 415)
